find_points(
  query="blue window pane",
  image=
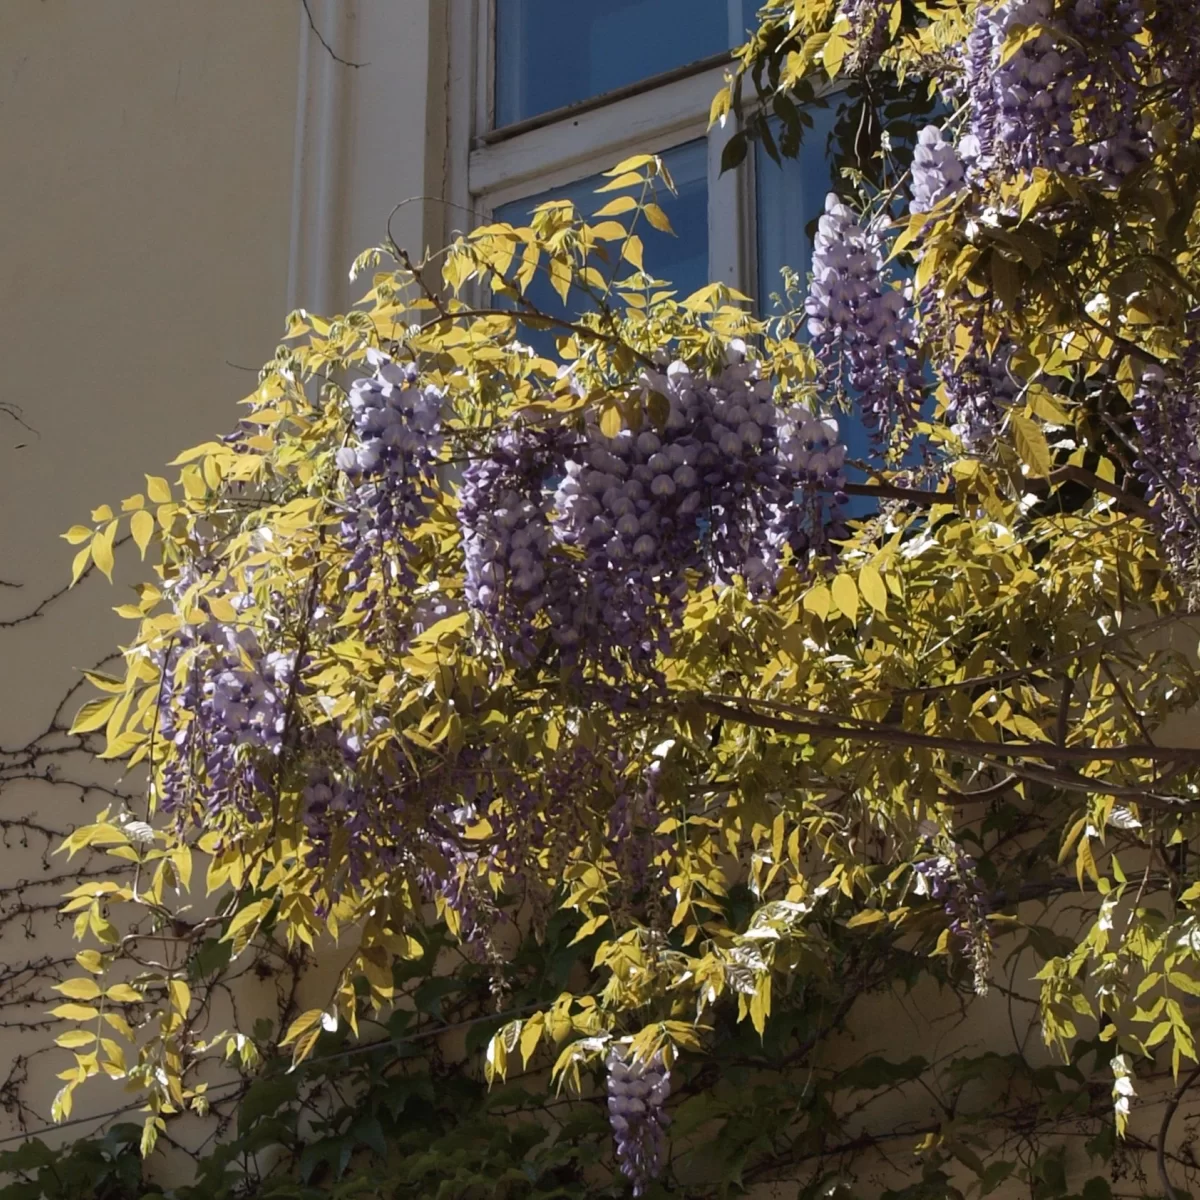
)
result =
(682, 260)
(550, 53)
(749, 20)
(791, 196)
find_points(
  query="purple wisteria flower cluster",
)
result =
(1050, 103)
(951, 878)
(507, 540)
(720, 484)
(1167, 419)
(637, 1096)
(1021, 110)
(861, 327)
(390, 462)
(979, 387)
(1065, 99)
(937, 170)
(868, 21)
(222, 707)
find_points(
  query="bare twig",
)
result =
(328, 48)
(1164, 1128)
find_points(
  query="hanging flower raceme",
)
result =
(637, 1095)
(951, 878)
(222, 708)
(1116, 134)
(1166, 413)
(979, 387)
(861, 326)
(507, 537)
(937, 170)
(1064, 99)
(390, 461)
(1029, 103)
(702, 484)
(868, 29)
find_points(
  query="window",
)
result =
(550, 55)
(562, 91)
(682, 259)
(789, 197)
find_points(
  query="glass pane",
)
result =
(790, 198)
(550, 53)
(749, 21)
(682, 259)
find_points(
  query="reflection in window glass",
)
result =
(550, 53)
(749, 21)
(790, 197)
(682, 259)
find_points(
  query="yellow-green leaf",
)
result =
(102, 549)
(628, 179)
(635, 162)
(845, 596)
(610, 420)
(871, 585)
(74, 1012)
(632, 250)
(249, 916)
(74, 1039)
(93, 715)
(302, 1024)
(181, 995)
(141, 524)
(657, 218)
(79, 989)
(817, 601)
(868, 916)
(79, 565)
(158, 489)
(1031, 445)
(614, 208)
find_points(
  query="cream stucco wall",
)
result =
(145, 189)
(174, 175)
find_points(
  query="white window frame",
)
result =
(490, 167)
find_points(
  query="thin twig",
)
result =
(329, 49)
(1161, 1154)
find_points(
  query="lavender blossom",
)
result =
(390, 463)
(637, 1095)
(598, 571)
(937, 170)
(1052, 103)
(951, 878)
(1166, 414)
(868, 21)
(861, 328)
